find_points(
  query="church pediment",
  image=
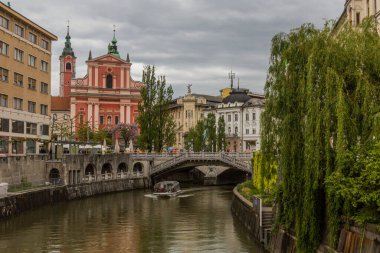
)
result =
(108, 58)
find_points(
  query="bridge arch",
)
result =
(90, 169)
(106, 168)
(138, 168)
(54, 176)
(122, 167)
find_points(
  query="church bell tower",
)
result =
(67, 67)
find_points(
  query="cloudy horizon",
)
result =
(189, 41)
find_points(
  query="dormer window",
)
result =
(68, 66)
(109, 81)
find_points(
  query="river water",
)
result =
(199, 220)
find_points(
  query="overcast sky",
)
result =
(190, 41)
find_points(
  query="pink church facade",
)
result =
(106, 96)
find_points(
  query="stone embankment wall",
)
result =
(15, 168)
(20, 202)
(352, 240)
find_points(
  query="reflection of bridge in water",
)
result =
(192, 166)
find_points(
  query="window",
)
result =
(116, 120)
(253, 131)
(17, 126)
(4, 22)
(3, 75)
(32, 60)
(18, 55)
(44, 88)
(31, 128)
(19, 30)
(253, 116)
(33, 38)
(4, 48)
(18, 78)
(44, 66)
(68, 66)
(247, 117)
(229, 117)
(44, 129)
(3, 100)
(45, 44)
(246, 131)
(4, 125)
(101, 120)
(357, 18)
(81, 118)
(31, 107)
(17, 103)
(222, 116)
(109, 120)
(236, 130)
(109, 81)
(236, 117)
(229, 130)
(31, 83)
(44, 109)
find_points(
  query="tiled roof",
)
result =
(60, 103)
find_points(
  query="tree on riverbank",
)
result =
(321, 115)
(157, 126)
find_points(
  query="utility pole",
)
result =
(231, 76)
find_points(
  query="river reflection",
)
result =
(198, 221)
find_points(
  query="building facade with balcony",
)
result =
(356, 10)
(25, 78)
(106, 96)
(241, 111)
(188, 110)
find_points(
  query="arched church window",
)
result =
(109, 81)
(68, 66)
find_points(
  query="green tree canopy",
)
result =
(322, 103)
(157, 126)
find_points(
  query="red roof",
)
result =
(60, 103)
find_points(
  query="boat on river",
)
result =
(166, 189)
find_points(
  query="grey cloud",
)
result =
(190, 41)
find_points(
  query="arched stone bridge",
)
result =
(76, 169)
(240, 161)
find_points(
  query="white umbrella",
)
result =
(117, 147)
(104, 147)
(130, 145)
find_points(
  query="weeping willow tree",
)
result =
(322, 104)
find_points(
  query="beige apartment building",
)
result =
(188, 110)
(25, 84)
(356, 10)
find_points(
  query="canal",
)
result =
(198, 221)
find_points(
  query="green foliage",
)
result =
(264, 173)
(221, 141)
(322, 94)
(206, 136)
(85, 133)
(156, 123)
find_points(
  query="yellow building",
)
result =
(356, 10)
(25, 83)
(188, 110)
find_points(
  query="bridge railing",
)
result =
(229, 158)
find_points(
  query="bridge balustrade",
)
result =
(107, 176)
(89, 178)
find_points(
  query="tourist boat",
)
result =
(166, 189)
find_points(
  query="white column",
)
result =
(90, 76)
(96, 116)
(73, 114)
(122, 85)
(128, 79)
(89, 113)
(96, 77)
(128, 120)
(122, 114)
